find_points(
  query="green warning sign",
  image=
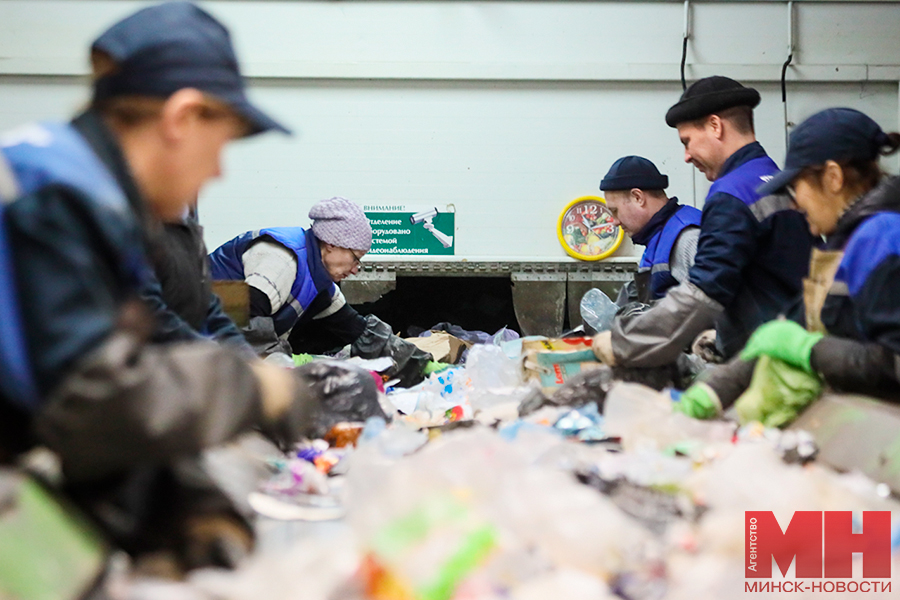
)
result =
(411, 230)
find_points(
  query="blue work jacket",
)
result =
(753, 252)
(312, 279)
(658, 237)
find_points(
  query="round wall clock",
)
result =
(586, 230)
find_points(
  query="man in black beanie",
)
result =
(753, 251)
(634, 191)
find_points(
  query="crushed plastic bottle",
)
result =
(391, 442)
(597, 311)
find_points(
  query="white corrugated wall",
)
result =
(507, 110)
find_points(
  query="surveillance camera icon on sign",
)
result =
(426, 217)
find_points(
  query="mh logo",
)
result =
(819, 540)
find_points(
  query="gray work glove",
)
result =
(328, 392)
(261, 335)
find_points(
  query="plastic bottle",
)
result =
(597, 311)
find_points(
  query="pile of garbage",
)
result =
(530, 471)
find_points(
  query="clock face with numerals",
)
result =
(586, 229)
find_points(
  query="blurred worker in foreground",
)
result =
(850, 301)
(128, 417)
(752, 253)
(180, 291)
(634, 192)
(295, 305)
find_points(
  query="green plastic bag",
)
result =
(48, 550)
(778, 393)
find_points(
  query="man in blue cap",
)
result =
(752, 253)
(78, 370)
(634, 192)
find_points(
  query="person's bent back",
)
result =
(295, 302)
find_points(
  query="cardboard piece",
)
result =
(553, 362)
(235, 297)
(442, 346)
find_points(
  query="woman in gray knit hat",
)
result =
(295, 306)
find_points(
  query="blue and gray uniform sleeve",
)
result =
(725, 246)
(170, 327)
(221, 328)
(863, 306)
(270, 270)
(683, 252)
(680, 262)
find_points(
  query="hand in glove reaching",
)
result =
(698, 401)
(378, 340)
(784, 340)
(602, 347)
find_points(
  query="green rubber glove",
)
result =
(784, 340)
(699, 401)
(302, 359)
(778, 393)
(432, 366)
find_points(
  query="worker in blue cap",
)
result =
(753, 250)
(79, 372)
(634, 193)
(851, 338)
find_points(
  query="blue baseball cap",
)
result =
(164, 48)
(837, 134)
(634, 172)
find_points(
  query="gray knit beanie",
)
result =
(342, 223)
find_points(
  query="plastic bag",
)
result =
(597, 311)
(497, 389)
(644, 419)
(587, 386)
(489, 367)
(778, 393)
(341, 393)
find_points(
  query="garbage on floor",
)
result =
(531, 471)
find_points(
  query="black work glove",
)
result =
(378, 340)
(328, 392)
